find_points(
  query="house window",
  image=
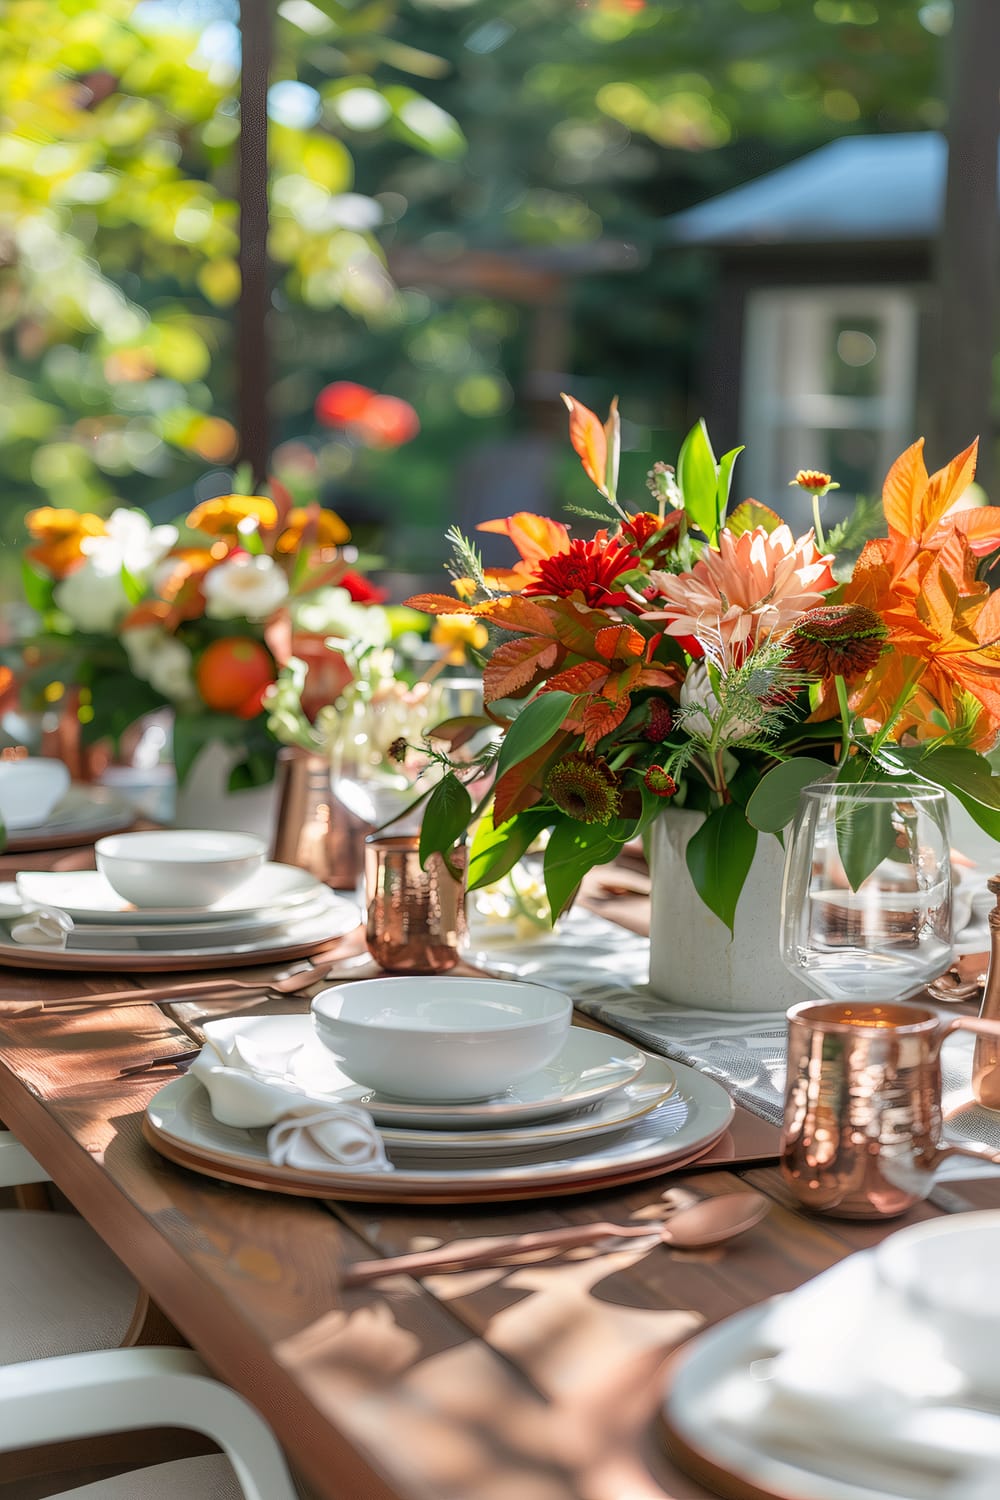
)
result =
(829, 382)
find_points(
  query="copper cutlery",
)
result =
(709, 1222)
(178, 1060)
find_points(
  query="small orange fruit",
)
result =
(232, 675)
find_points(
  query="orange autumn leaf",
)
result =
(439, 604)
(600, 718)
(619, 641)
(521, 786)
(516, 664)
(589, 439)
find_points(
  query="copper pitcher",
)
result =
(862, 1129)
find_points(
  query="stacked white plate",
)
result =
(83, 814)
(600, 1111)
(279, 907)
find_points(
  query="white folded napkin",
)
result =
(856, 1389)
(44, 927)
(249, 1087)
(312, 1136)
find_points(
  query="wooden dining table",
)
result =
(535, 1381)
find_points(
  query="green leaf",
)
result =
(446, 817)
(725, 479)
(572, 850)
(698, 479)
(964, 773)
(866, 835)
(719, 857)
(494, 851)
(537, 722)
(37, 589)
(774, 802)
(750, 513)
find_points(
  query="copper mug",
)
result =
(862, 1129)
(416, 916)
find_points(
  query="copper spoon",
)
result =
(706, 1223)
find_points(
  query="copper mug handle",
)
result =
(862, 1128)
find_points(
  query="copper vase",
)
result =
(416, 917)
(313, 830)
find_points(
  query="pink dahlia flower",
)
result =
(754, 585)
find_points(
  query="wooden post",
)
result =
(969, 246)
(252, 348)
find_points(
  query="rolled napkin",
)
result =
(249, 1088)
(313, 1136)
(45, 927)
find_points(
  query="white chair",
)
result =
(61, 1289)
(125, 1390)
(66, 1304)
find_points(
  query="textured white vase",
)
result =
(205, 801)
(693, 960)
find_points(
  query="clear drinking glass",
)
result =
(866, 893)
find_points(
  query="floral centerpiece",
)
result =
(692, 654)
(201, 618)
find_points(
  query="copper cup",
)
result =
(862, 1129)
(416, 917)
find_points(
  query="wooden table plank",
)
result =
(538, 1380)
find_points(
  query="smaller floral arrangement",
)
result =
(689, 653)
(200, 617)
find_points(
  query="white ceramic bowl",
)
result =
(942, 1273)
(178, 868)
(30, 789)
(438, 1039)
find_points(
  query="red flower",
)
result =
(660, 782)
(362, 590)
(652, 538)
(588, 568)
(343, 402)
(388, 422)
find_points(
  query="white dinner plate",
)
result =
(293, 937)
(589, 1065)
(180, 1123)
(88, 897)
(162, 936)
(85, 813)
(707, 1380)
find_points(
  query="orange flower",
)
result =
(311, 526)
(222, 516)
(61, 534)
(943, 623)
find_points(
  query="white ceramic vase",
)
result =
(205, 801)
(693, 960)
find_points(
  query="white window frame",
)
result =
(785, 390)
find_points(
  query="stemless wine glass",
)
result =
(866, 894)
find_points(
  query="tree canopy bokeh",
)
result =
(411, 140)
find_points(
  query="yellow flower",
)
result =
(222, 516)
(455, 634)
(61, 534)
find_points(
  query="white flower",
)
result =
(93, 596)
(332, 611)
(133, 540)
(701, 709)
(161, 660)
(249, 588)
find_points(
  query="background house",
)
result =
(820, 344)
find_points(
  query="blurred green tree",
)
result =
(542, 129)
